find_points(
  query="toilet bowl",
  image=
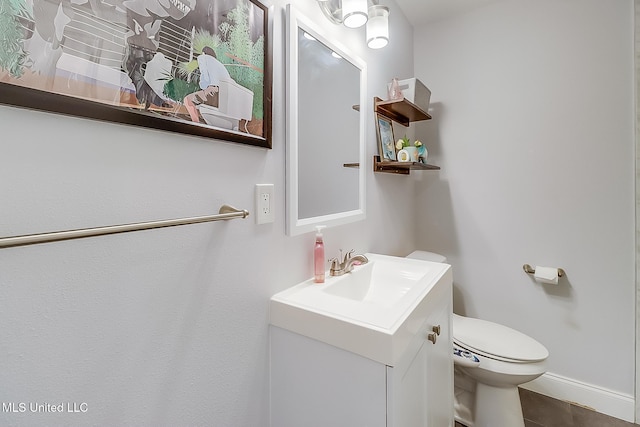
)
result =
(506, 358)
(491, 361)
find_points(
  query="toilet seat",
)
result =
(496, 341)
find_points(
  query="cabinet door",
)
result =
(439, 372)
(314, 384)
(420, 388)
(407, 392)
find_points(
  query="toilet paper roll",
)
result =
(546, 275)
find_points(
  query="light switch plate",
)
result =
(264, 204)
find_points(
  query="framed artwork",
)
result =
(194, 67)
(386, 141)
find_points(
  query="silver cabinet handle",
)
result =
(436, 329)
(432, 337)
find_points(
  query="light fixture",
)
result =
(354, 13)
(378, 27)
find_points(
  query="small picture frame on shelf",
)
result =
(386, 141)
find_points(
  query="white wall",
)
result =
(161, 327)
(534, 129)
(636, 7)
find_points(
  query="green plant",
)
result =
(177, 88)
(405, 142)
(12, 55)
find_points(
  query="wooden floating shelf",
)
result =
(402, 168)
(400, 110)
(404, 112)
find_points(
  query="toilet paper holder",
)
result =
(530, 270)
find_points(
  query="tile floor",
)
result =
(543, 411)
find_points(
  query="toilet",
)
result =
(491, 361)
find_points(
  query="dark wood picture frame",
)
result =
(123, 65)
(386, 140)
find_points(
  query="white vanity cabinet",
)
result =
(315, 383)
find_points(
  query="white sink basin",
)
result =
(382, 282)
(374, 311)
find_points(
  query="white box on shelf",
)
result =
(416, 92)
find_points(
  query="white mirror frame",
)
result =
(295, 225)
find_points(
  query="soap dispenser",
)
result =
(318, 256)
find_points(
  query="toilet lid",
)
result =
(495, 340)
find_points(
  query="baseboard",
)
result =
(599, 399)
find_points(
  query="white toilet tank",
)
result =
(427, 256)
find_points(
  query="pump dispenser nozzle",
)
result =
(318, 256)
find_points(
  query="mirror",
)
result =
(325, 129)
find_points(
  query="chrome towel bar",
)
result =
(225, 212)
(530, 270)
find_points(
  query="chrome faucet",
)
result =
(348, 262)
